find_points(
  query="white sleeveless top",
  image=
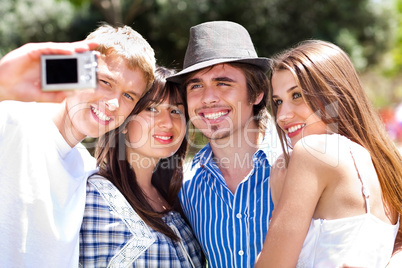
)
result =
(358, 241)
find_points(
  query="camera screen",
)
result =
(60, 71)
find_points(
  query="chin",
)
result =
(164, 154)
(294, 141)
(217, 135)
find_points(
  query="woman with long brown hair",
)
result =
(132, 214)
(338, 192)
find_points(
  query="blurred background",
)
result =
(370, 31)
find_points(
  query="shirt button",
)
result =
(241, 252)
(238, 215)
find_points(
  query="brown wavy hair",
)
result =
(168, 175)
(331, 87)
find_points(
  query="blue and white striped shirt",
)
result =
(230, 228)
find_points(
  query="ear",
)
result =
(259, 98)
(124, 131)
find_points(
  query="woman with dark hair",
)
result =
(133, 214)
(338, 195)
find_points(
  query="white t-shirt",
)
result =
(42, 189)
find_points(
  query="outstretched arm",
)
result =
(20, 70)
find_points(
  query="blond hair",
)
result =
(129, 44)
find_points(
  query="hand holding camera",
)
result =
(20, 70)
(69, 72)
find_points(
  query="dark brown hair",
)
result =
(168, 175)
(257, 82)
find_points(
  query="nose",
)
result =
(165, 119)
(209, 95)
(284, 113)
(112, 104)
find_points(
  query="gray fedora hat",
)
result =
(217, 42)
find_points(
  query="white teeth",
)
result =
(214, 115)
(163, 137)
(100, 114)
(294, 128)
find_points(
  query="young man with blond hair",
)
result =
(43, 166)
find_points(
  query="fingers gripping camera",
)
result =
(69, 72)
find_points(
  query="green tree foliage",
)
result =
(23, 21)
(396, 66)
(361, 27)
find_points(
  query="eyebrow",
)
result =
(216, 79)
(191, 81)
(287, 91)
(223, 79)
(177, 104)
(154, 102)
(108, 77)
(114, 81)
(133, 93)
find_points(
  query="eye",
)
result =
(177, 111)
(105, 82)
(192, 86)
(128, 96)
(277, 102)
(223, 84)
(151, 109)
(296, 95)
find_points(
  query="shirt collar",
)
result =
(203, 156)
(270, 149)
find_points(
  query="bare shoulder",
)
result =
(325, 151)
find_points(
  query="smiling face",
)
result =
(293, 115)
(156, 132)
(217, 101)
(95, 112)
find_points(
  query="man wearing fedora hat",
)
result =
(225, 193)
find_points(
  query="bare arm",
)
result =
(277, 177)
(302, 188)
(20, 70)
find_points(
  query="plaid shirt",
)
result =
(113, 235)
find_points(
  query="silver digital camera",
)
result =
(68, 72)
